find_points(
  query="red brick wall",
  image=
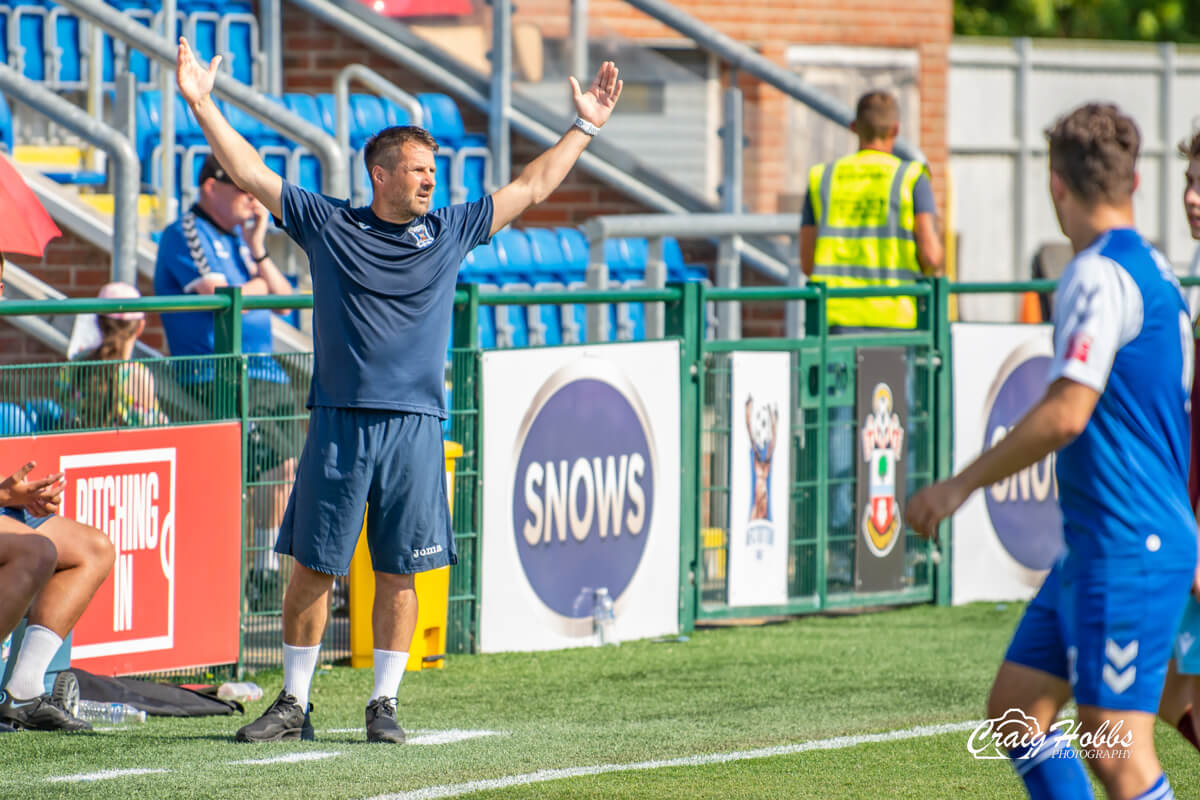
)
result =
(770, 27)
(77, 269)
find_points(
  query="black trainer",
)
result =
(381, 721)
(42, 713)
(285, 719)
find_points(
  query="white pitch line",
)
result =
(290, 758)
(420, 737)
(449, 737)
(541, 776)
(102, 775)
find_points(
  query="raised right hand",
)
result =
(195, 81)
(16, 491)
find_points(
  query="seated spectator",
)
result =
(39, 549)
(221, 241)
(99, 396)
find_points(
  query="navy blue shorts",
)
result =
(392, 461)
(21, 515)
(1108, 633)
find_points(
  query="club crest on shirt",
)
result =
(421, 234)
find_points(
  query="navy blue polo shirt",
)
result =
(383, 296)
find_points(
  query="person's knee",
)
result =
(41, 558)
(391, 582)
(101, 551)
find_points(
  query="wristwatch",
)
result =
(586, 127)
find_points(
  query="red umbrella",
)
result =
(25, 227)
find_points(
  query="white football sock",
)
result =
(29, 672)
(389, 671)
(299, 663)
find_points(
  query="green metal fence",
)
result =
(269, 401)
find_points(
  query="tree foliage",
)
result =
(1140, 20)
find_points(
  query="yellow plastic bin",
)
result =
(428, 647)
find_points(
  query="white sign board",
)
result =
(581, 477)
(1006, 536)
(759, 476)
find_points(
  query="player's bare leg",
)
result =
(26, 563)
(1047, 768)
(1124, 761)
(84, 557)
(1039, 694)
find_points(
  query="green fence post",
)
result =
(815, 326)
(943, 408)
(230, 384)
(465, 428)
(685, 321)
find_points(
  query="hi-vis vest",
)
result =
(863, 205)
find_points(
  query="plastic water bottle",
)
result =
(114, 713)
(604, 620)
(241, 692)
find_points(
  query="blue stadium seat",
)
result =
(575, 251)
(636, 252)
(309, 170)
(203, 18)
(442, 118)
(480, 266)
(14, 421)
(328, 107)
(549, 263)
(240, 38)
(65, 38)
(512, 323)
(367, 118)
(515, 257)
(44, 413)
(139, 65)
(31, 38)
(476, 161)
(396, 114)
(487, 327)
(6, 126)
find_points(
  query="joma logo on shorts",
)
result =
(426, 551)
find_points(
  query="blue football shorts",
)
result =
(21, 515)
(388, 461)
(1108, 632)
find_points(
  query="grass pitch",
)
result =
(725, 690)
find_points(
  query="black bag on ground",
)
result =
(156, 699)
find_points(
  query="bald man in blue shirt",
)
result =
(383, 287)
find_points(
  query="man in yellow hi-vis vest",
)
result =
(869, 221)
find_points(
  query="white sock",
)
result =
(299, 663)
(29, 672)
(389, 671)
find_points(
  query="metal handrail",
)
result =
(123, 157)
(335, 167)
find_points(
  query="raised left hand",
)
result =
(597, 103)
